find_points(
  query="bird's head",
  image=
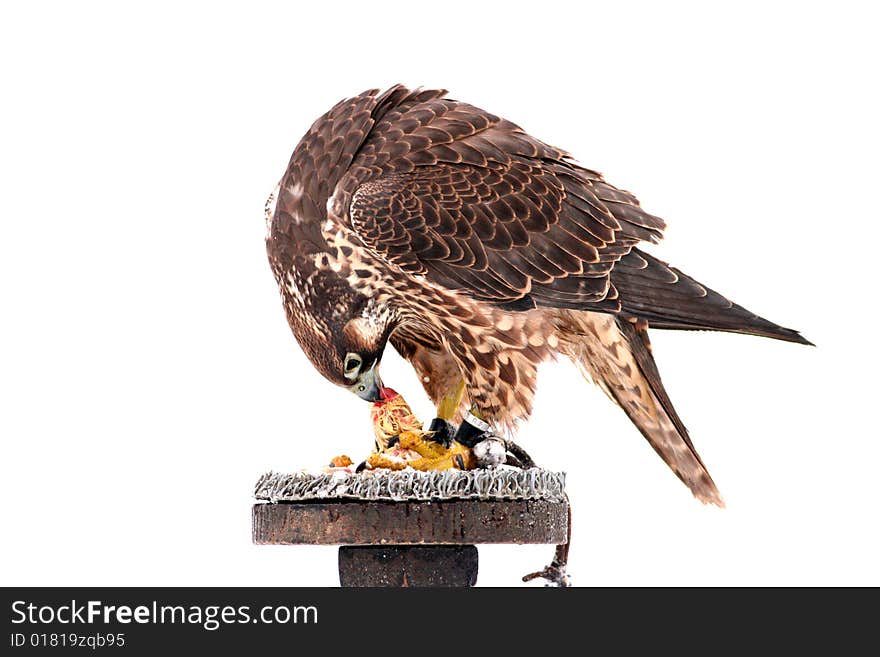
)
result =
(344, 336)
(359, 347)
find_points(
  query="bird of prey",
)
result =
(479, 252)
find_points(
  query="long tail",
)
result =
(616, 354)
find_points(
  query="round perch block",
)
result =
(447, 522)
(411, 529)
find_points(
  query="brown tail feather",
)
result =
(616, 354)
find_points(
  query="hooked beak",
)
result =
(369, 386)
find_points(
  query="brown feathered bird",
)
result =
(478, 251)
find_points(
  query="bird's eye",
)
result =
(352, 366)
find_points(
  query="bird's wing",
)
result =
(448, 191)
(667, 298)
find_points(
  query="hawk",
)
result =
(479, 252)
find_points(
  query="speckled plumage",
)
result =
(479, 252)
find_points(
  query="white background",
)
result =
(148, 374)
